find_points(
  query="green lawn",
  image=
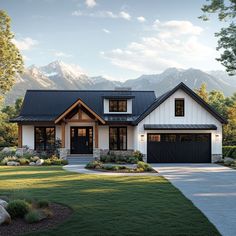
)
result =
(109, 205)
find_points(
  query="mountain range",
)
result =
(59, 75)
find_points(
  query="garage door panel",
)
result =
(179, 148)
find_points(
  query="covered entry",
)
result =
(179, 147)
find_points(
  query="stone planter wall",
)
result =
(216, 158)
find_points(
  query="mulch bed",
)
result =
(19, 226)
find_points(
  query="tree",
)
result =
(13, 110)
(217, 100)
(11, 61)
(226, 11)
(202, 92)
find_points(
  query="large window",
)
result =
(117, 105)
(44, 138)
(179, 107)
(118, 138)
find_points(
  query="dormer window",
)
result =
(117, 105)
(179, 107)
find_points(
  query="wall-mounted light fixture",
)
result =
(217, 136)
(142, 137)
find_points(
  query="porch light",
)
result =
(217, 136)
(142, 137)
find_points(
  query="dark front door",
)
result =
(81, 140)
(179, 148)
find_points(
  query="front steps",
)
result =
(79, 159)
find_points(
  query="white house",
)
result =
(176, 127)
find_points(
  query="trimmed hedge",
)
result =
(229, 151)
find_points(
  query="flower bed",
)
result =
(136, 168)
(11, 159)
(133, 159)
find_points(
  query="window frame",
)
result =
(177, 100)
(45, 139)
(118, 139)
(117, 105)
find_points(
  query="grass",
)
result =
(108, 205)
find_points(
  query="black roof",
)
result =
(180, 127)
(47, 105)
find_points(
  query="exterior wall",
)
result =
(106, 107)
(194, 114)
(28, 136)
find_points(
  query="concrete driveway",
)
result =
(212, 188)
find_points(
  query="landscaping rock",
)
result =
(5, 218)
(3, 203)
(13, 163)
(39, 162)
(228, 159)
(32, 163)
(8, 149)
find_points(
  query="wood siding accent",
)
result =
(96, 134)
(19, 136)
(79, 102)
(63, 135)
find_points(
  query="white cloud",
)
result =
(90, 3)
(106, 31)
(141, 19)
(174, 27)
(25, 43)
(103, 14)
(61, 54)
(125, 15)
(174, 44)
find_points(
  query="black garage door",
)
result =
(179, 148)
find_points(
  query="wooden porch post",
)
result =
(19, 136)
(63, 135)
(96, 134)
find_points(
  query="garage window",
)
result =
(179, 107)
(154, 137)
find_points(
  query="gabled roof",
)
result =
(48, 105)
(180, 127)
(191, 93)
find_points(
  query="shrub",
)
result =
(132, 160)
(43, 204)
(56, 162)
(64, 162)
(229, 151)
(27, 155)
(94, 164)
(9, 158)
(144, 166)
(23, 161)
(108, 167)
(138, 155)
(18, 208)
(47, 162)
(33, 216)
(34, 158)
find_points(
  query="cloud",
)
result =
(103, 14)
(61, 54)
(25, 43)
(141, 19)
(90, 3)
(106, 31)
(125, 15)
(174, 27)
(174, 44)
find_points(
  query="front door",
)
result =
(81, 140)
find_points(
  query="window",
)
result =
(44, 138)
(118, 138)
(154, 137)
(179, 107)
(117, 105)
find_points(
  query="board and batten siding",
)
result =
(165, 114)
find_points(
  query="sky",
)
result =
(118, 39)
